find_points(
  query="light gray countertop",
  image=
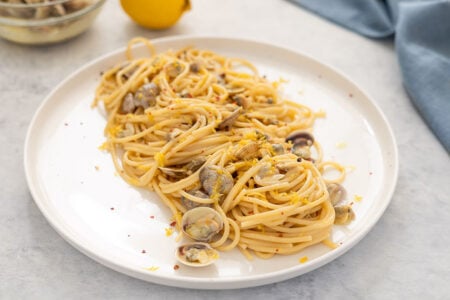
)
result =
(406, 255)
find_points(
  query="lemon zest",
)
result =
(160, 159)
(357, 198)
(303, 259)
(169, 231)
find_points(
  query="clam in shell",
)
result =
(196, 254)
(201, 223)
(215, 180)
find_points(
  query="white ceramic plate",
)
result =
(75, 186)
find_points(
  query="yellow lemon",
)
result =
(155, 14)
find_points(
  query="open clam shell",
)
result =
(201, 223)
(196, 254)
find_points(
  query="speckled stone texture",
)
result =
(405, 256)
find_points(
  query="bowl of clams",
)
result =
(37, 22)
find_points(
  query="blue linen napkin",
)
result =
(422, 42)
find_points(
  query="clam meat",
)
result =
(249, 151)
(336, 193)
(300, 138)
(196, 254)
(201, 223)
(344, 215)
(189, 204)
(228, 122)
(216, 180)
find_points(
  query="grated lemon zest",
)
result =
(104, 146)
(169, 231)
(294, 198)
(357, 198)
(251, 136)
(341, 145)
(160, 159)
(303, 259)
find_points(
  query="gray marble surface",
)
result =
(406, 255)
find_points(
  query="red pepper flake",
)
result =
(112, 208)
(251, 212)
(217, 98)
(350, 95)
(176, 267)
(173, 223)
(152, 217)
(143, 251)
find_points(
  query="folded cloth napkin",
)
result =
(422, 42)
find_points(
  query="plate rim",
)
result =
(213, 283)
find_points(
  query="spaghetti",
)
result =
(174, 115)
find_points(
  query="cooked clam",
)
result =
(184, 171)
(302, 142)
(145, 96)
(242, 101)
(127, 131)
(196, 254)
(128, 105)
(229, 121)
(201, 223)
(336, 193)
(249, 151)
(173, 69)
(278, 149)
(344, 215)
(216, 180)
(195, 164)
(301, 151)
(195, 67)
(268, 176)
(189, 204)
(173, 172)
(301, 138)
